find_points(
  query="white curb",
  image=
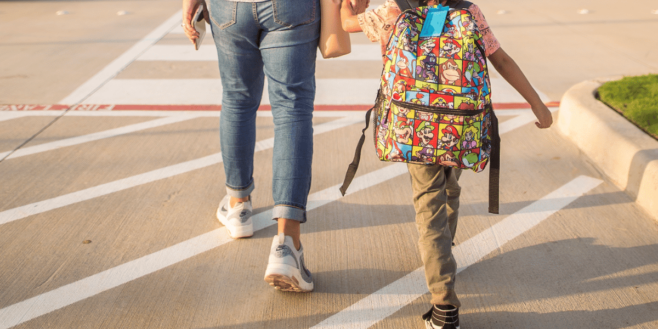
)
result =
(623, 152)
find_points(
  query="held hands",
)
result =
(543, 115)
(358, 6)
(189, 9)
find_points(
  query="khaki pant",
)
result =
(436, 200)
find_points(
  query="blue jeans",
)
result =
(277, 39)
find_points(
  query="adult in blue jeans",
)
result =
(277, 40)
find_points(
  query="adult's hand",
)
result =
(189, 9)
(359, 6)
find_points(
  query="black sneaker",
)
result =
(436, 318)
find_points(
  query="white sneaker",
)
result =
(286, 270)
(237, 219)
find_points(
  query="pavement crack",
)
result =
(36, 134)
(51, 276)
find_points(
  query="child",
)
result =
(435, 188)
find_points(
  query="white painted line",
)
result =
(209, 92)
(519, 121)
(360, 52)
(17, 213)
(503, 92)
(181, 168)
(117, 65)
(195, 114)
(398, 294)
(9, 116)
(94, 137)
(93, 285)
(160, 113)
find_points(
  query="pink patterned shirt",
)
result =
(377, 24)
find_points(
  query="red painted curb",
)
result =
(127, 107)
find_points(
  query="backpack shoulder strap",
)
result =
(407, 4)
(462, 5)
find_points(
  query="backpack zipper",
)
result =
(432, 109)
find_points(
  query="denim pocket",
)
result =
(291, 13)
(223, 13)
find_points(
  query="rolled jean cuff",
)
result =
(240, 193)
(289, 212)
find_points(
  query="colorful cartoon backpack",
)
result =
(434, 102)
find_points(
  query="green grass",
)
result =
(636, 98)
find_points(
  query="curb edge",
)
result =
(620, 150)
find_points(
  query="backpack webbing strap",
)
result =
(351, 170)
(494, 169)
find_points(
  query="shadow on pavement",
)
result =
(566, 274)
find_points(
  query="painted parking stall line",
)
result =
(400, 293)
(93, 285)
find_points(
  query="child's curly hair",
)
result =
(449, 3)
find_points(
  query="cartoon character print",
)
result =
(453, 29)
(399, 89)
(450, 73)
(425, 133)
(452, 119)
(426, 154)
(443, 101)
(403, 131)
(418, 99)
(469, 53)
(470, 93)
(465, 105)
(448, 159)
(395, 154)
(451, 49)
(403, 66)
(425, 116)
(382, 131)
(427, 62)
(469, 158)
(485, 150)
(402, 111)
(471, 77)
(469, 26)
(450, 138)
(486, 123)
(469, 138)
(408, 36)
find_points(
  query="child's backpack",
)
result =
(434, 103)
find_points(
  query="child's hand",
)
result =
(543, 115)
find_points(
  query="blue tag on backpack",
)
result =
(434, 21)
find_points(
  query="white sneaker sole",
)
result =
(237, 231)
(286, 278)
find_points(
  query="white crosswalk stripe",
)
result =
(104, 89)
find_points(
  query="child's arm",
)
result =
(349, 19)
(506, 66)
